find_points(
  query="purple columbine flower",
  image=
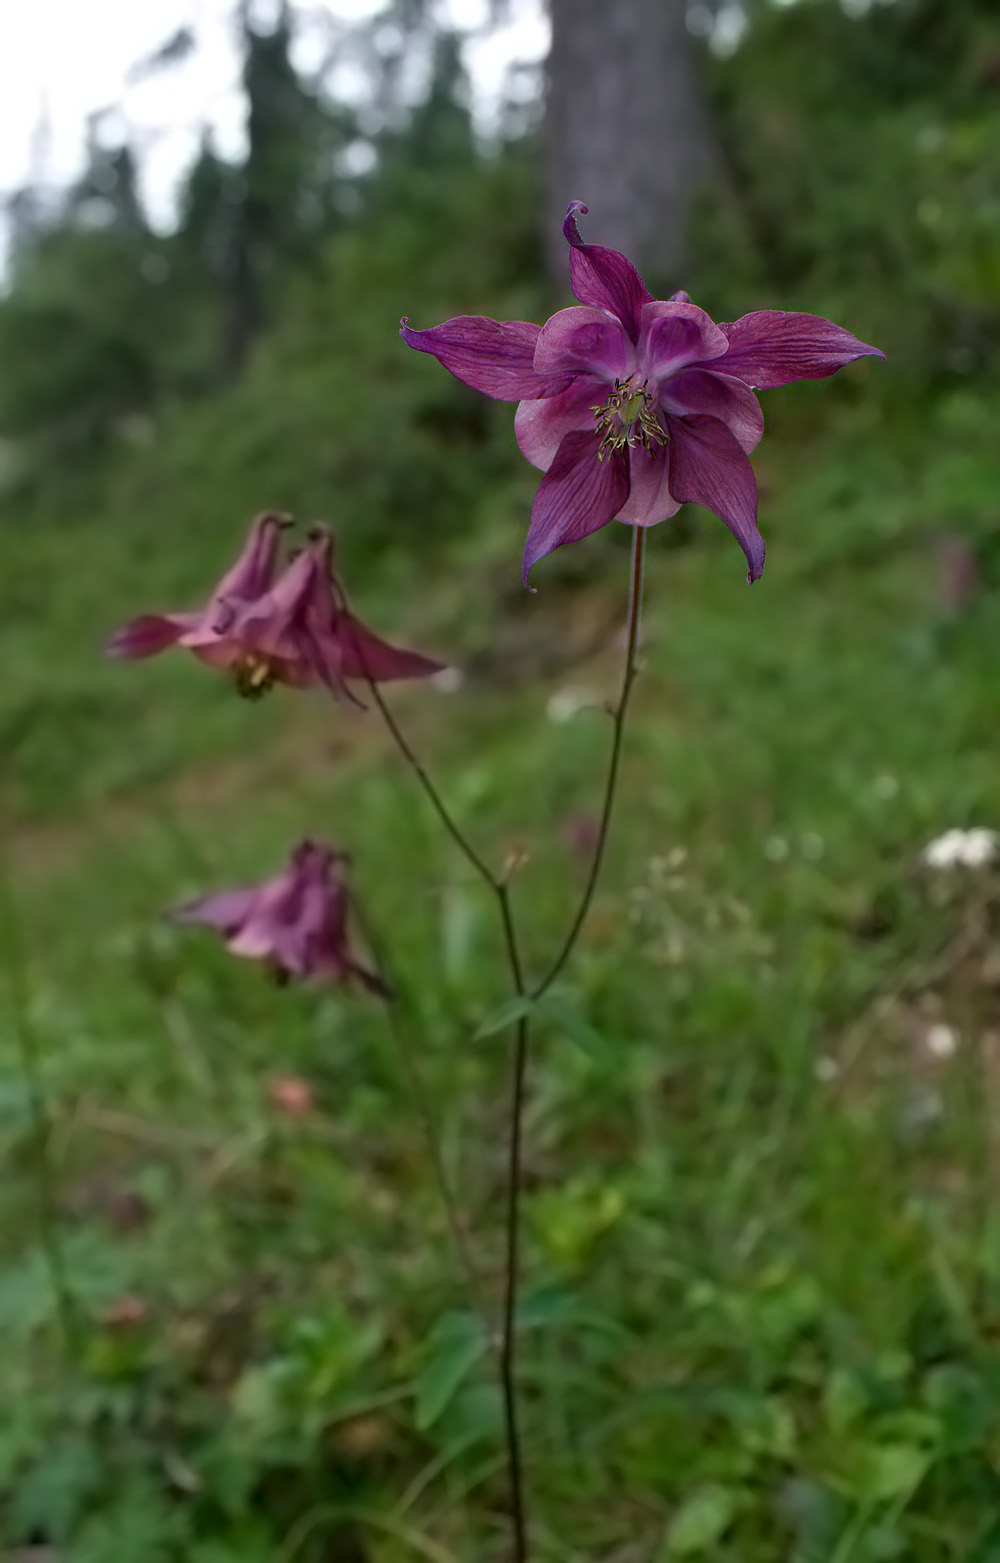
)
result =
(266, 626)
(296, 923)
(633, 406)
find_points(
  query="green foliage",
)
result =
(863, 162)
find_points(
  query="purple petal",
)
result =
(227, 910)
(541, 427)
(581, 340)
(365, 656)
(578, 495)
(492, 356)
(772, 347)
(604, 278)
(680, 297)
(253, 571)
(717, 396)
(674, 335)
(649, 497)
(708, 467)
(149, 634)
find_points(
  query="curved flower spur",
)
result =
(633, 406)
(267, 625)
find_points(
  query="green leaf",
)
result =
(504, 1016)
(892, 1471)
(456, 1345)
(702, 1519)
(460, 922)
(566, 1017)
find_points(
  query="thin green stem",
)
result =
(499, 885)
(419, 770)
(512, 1275)
(614, 762)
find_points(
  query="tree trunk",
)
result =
(626, 130)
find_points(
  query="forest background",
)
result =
(762, 1287)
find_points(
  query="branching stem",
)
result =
(500, 888)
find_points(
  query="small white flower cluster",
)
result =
(448, 680)
(962, 849)
(567, 703)
(941, 1041)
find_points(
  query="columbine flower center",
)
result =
(254, 676)
(628, 417)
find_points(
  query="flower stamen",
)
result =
(254, 676)
(627, 418)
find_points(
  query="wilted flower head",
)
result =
(296, 923)
(632, 406)
(267, 626)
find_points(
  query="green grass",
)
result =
(762, 1279)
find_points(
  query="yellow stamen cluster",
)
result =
(628, 417)
(254, 676)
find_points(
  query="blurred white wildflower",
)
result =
(776, 849)
(941, 1041)
(962, 848)
(826, 1069)
(448, 680)
(567, 703)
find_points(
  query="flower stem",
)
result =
(419, 770)
(498, 884)
(614, 761)
(512, 1274)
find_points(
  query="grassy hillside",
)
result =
(761, 1292)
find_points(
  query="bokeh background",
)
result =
(762, 1281)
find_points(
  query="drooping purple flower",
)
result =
(296, 923)
(633, 406)
(206, 632)
(267, 626)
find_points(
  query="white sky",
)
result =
(62, 60)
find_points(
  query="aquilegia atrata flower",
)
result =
(296, 923)
(267, 626)
(633, 406)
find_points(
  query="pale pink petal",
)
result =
(649, 499)
(580, 340)
(216, 651)
(578, 495)
(227, 910)
(675, 334)
(604, 278)
(709, 467)
(773, 347)
(492, 356)
(541, 426)
(716, 396)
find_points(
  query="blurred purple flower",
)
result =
(633, 406)
(296, 923)
(266, 627)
